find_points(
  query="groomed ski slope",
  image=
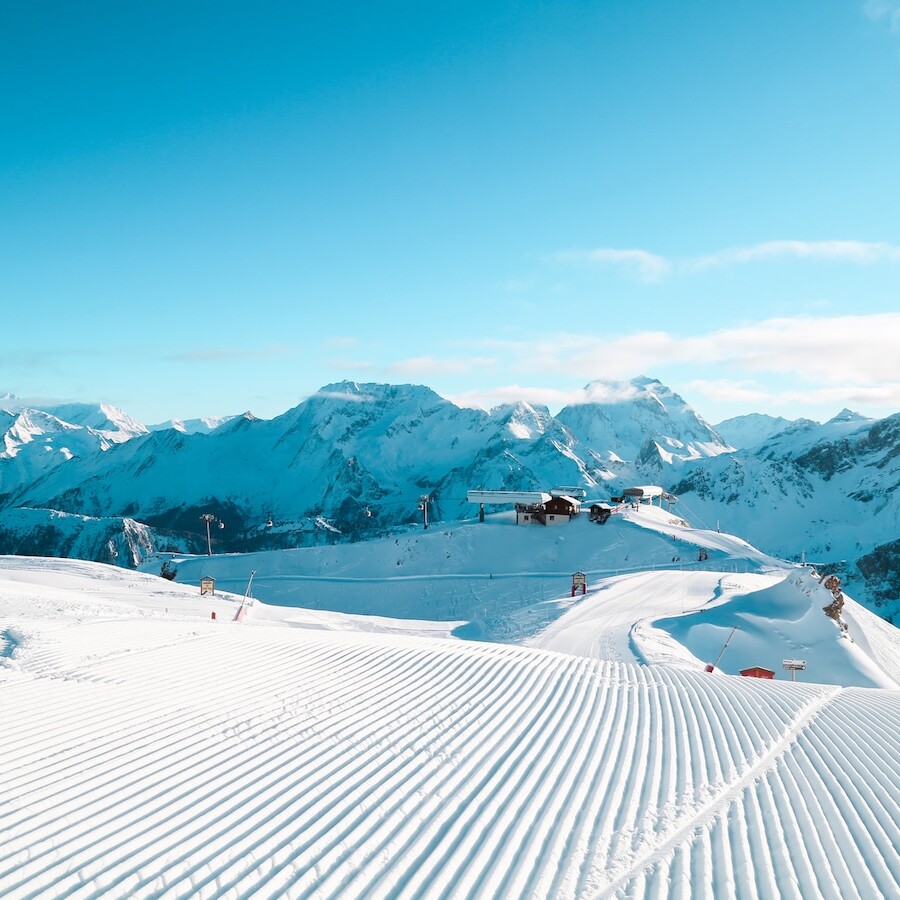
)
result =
(153, 754)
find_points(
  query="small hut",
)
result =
(757, 672)
(600, 512)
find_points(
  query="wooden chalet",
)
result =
(560, 510)
(555, 511)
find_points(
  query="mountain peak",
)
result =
(367, 392)
(623, 415)
(847, 415)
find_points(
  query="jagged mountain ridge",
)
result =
(353, 460)
(659, 428)
(743, 432)
(356, 455)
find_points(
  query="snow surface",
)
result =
(151, 751)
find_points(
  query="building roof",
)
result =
(647, 490)
(507, 497)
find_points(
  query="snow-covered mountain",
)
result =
(362, 455)
(113, 539)
(357, 456)
(203, 425)
(748, 431)
(45, 436)
(640, 420)
(109, 421)
(828, 493)
(353, 460)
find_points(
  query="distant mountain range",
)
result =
(354, 460)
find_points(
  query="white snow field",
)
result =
(148, 750)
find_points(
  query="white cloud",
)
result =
(648, 266)
(823, 360)
(832, 350)
(653, 267)
(344, 395)
(749, 394)
(608, 392)
(884, 10)
(859, 252)
(836, 350)
(488, 398)
(737, 392)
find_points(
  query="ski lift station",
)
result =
(562, 504)
(647, 494)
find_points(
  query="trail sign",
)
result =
(579, 580)
(794, 666)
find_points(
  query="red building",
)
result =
(758, 672)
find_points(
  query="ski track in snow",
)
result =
(211, 760)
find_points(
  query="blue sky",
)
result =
(212, 207)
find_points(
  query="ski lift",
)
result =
(269, 522)
(368, 513)
(221, 524)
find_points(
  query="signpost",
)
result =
(579, 580)
(794, 666)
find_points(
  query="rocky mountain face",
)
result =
(354, 460)
(115, 540)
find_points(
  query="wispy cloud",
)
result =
(859, 252)
(825, 360)
(884, 11)
(343, 395)
(752, 394)
(647, 266)
(830, 350)
(12, 403)
(652, 267)
(721, 390)
(838, 349)
(488, 398)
